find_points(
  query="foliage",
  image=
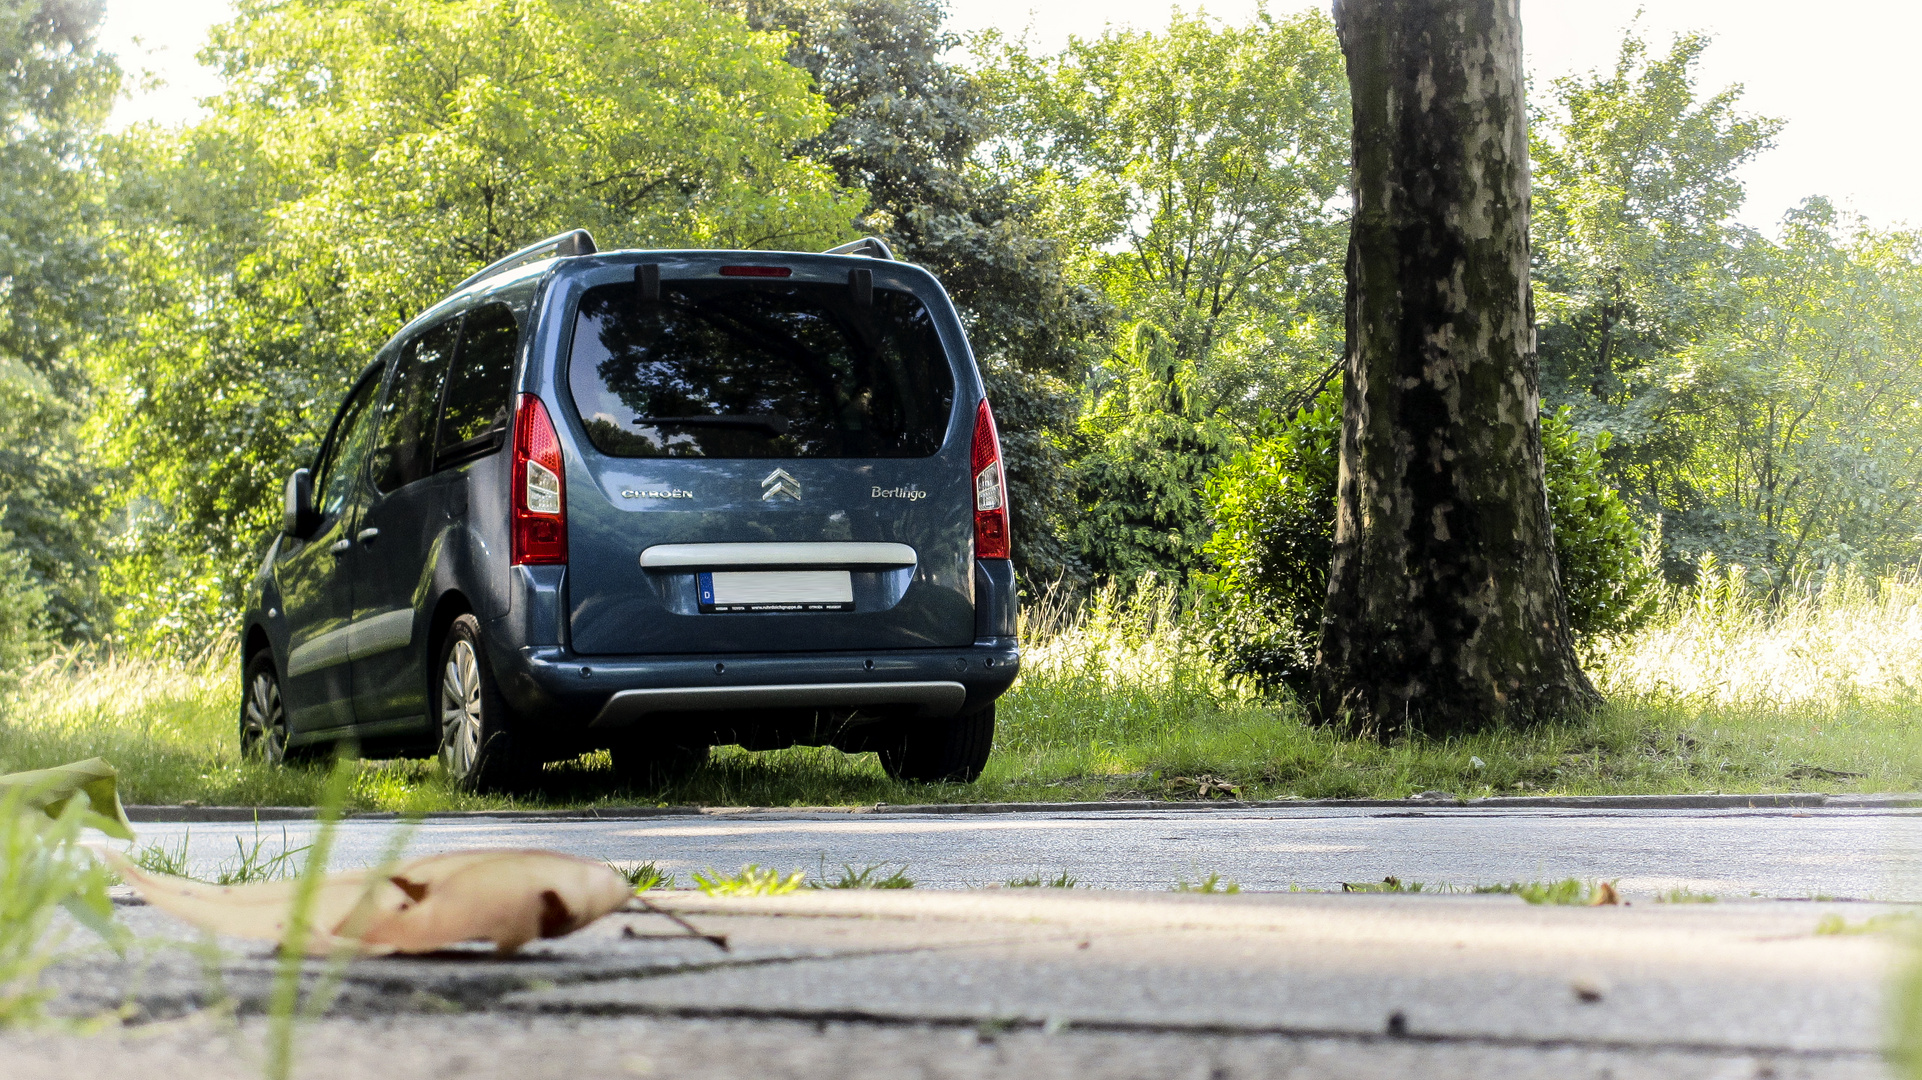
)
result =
(92, 784)
(1803, 418)
(868, 877)
(249, 863)
(1608, 578)
(1212, 884)
(55, 89)
(644, 876)
(907, 129)
(1568, 891)
(44, 869)
(1814, 643)
(1063, 880)
(751, 881)
(1635, 246)
(1273, 507)
(1144, 453)
(363, 159)
(1274, 511)
(1195, 171)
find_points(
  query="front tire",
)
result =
(263, 712)
(478, 750)
(952, 751)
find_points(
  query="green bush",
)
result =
(1274, 511)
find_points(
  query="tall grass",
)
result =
(170, 724)
(1822, 643)
(1726, 691)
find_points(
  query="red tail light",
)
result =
(990, 489)
(540, 488)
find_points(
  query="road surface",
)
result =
(1728, 853)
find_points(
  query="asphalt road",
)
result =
(1804, 853)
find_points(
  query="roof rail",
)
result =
(871, 246)
(560, 246)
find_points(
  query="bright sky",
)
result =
(1842, 79)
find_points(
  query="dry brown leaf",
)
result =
(508, 897)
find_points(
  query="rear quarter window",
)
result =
(726, 369)
(473, 419)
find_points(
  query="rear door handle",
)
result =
(368, 536)
(340, 547)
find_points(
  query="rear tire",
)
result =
(953, 750)
(263, 711)
(478, 748)
(649, 764)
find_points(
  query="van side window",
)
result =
(473, 422)
(346, 447)
(404, 450)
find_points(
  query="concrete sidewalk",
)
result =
(1043, 983)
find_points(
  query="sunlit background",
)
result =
(1843, 84)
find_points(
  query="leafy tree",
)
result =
(1197, 169)
(1803, 416)
(1274, 509)
(55, 89)
(908, 128)
(1635, 248)
(1146, 452)
(1760, 393)
(1196, 172)
(365, 157)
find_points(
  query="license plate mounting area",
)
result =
(734, 592)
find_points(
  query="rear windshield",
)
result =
(725, 369)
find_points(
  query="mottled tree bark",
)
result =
(1445, 607)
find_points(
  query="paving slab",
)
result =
(492, 1047)
(1037, 983)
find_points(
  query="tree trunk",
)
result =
(1445, 607)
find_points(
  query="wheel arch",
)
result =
(255, 642)
(451, 605)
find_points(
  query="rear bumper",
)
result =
(606, 694)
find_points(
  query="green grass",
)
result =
(1063, 880)
(751, 881)
(643, 876)
(1568, 891)
(1213, 883)
(868, 877)
(1721, 695)
(259, 860)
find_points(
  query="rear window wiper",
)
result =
(771, 423)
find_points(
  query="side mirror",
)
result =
(299, 519)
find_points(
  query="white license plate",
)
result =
(725, 591)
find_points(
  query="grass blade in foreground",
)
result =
(42, 868)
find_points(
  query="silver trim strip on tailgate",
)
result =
(800, 553)
(933, 699)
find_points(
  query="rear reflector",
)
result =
(990, 488)
(539, 532)
(756, 271)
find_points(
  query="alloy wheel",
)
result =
(460, 711)
(266, 734)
